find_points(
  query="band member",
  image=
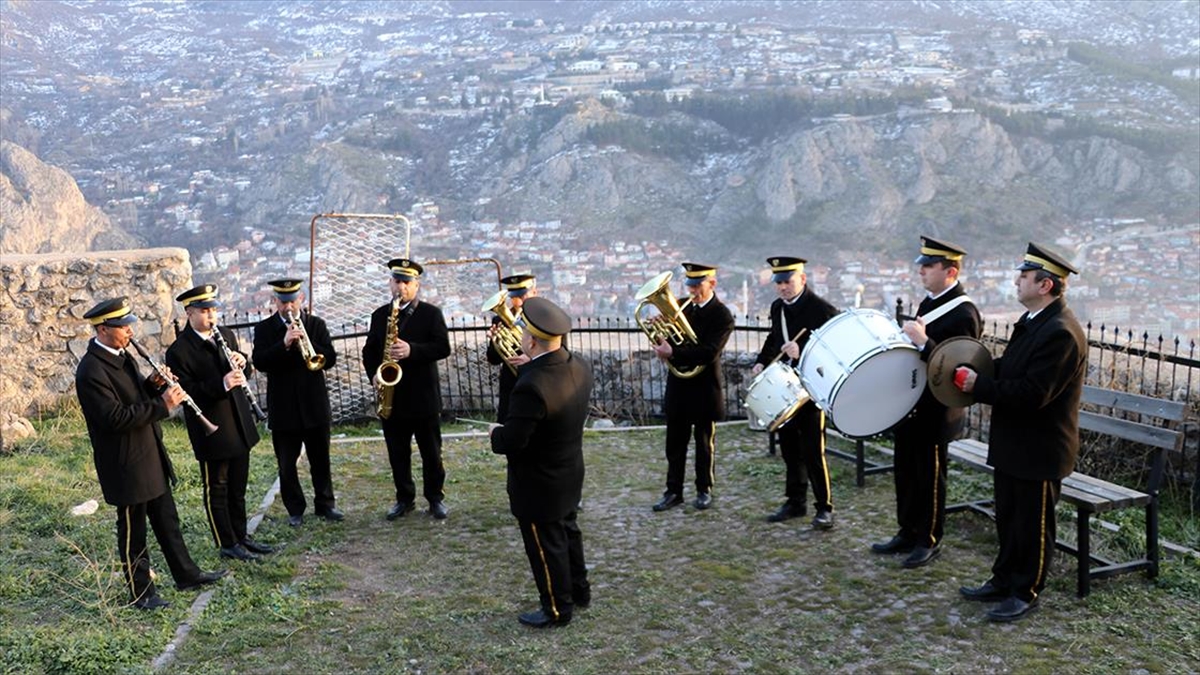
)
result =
(1034, 438)
(695, 404)
(294, 349)
(421, 340)
(802, 438)
(205, 373)
(542, 437)
(520, 288)
(122, 410)
(922, 439)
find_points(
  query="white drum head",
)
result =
(878, 393)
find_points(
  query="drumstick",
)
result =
(780, 354)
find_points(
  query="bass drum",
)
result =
(862, 371)
(774, 396)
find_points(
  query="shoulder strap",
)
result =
(945, 309)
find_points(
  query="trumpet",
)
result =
(208, 426)
(670, 325)
(254, 407)
(388, 374)
(506, 339)
(312, 359)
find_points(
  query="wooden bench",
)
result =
(1119, 415)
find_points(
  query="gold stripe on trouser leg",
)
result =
(712, 454)
(127, 511)
(1041, 542)
(208, 506)
(933, 513)
(824, 464)
(537, 541)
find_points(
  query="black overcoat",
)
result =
(422, 326)
(122, 410)
(809, 311)
(200, 366)
(931, 421)
(543, 436)
(1035, 395)
(700, 398)
(297, 398)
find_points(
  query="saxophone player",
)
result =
(410, 334)
(294, 350)
(519, 287)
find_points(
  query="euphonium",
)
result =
(388, 375)
(506, 339)
(670, 325)
(312, 359)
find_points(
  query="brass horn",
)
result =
(506, 339)
(670, 324)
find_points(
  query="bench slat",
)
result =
(1172, 411)
(1158, 437)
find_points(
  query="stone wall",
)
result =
(42, 330)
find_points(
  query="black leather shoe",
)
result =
(921, 556)
(897, 544)
(256, 547)
(150, 602)
(332, 515)
(988, 592)
(1011, 609)
(237, 552)
(540, 619)
(703, 500)
(823, 520)
(583, 598)
(669, 501)
(787, 512)
(296, 521)
(202, 580)
(399, 509)
(438, 510)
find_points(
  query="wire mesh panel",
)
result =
(348, 263)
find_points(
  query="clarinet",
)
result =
(208, 426)
(220, 340)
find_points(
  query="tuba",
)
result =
(312, 359)
(388, 374)
(507, 338)
(670, 325)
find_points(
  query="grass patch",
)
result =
(681, 591)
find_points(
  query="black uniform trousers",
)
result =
(919, 473)
(555, 552)
(399, 432)
(224, 482)
(802, 447)
(287, 446)
(1027, 529)
(678, 433)
(131, 542)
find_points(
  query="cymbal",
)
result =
(948, 355)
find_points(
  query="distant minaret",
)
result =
(745, 297)
(858, 291)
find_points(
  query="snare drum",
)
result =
(774, 396)
(863, 371)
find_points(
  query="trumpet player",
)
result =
(123, 410)
(294, 350)
(695, 404)
(419, 340)
(218, 389)
(519, 288)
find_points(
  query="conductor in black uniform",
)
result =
(421, 341)
(122, 410)
(224, 456)
(297, 397)
(695, 398)
(542, 436)
(520, 287)
(802, 438)
(1034, 439)
(923, 438)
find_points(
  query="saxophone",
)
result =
(388, 375)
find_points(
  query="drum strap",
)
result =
(945, 309)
